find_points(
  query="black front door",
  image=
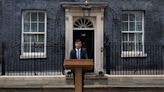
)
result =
(87, 38)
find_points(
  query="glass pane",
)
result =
(124, 26)
(34, 16)
(125, 47)
(41, 17)
(33, 27)
(26, 27)
(37, 48)
(138, 26)
(131, 37)
(125, 37)
(26, 38)
(125, 17)
(132, 26)
(139, 37)
(139, 46)
(41, 27)
(40, 48)
(27, 16)
(41, 38)
(34, 38)
(139, 17)
(131, 47)
(26, 47)
(128, 46)
(33, 47)
(132, 17)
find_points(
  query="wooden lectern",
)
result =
(78, 65)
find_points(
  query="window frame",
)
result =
(26, 55)
(134, 53)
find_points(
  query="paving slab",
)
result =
(61, 82)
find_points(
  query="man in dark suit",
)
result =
(78, 53)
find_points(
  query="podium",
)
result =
(78, 65)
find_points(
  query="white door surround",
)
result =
(97, 18)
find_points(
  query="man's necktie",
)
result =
(78, 54)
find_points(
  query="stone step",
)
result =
(90, 76)
(56, 84)
(85, 90)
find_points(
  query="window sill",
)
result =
(33, 56)
(133, 54)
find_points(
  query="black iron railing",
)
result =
(16, 63)
(147, 59)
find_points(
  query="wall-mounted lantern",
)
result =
(86, 8)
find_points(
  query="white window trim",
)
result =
(135, 53)
(33, 55)
(83, 29)
(28, 55)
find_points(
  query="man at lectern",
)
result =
(78, 53)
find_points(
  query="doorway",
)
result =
(87, 38)
(76, 24)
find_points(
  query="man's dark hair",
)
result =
(78, 40)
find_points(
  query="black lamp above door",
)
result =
(86, 8)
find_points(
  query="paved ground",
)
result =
(61, 82)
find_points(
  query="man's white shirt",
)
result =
(78, 53)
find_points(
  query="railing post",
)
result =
(35, 73)
(2, 58)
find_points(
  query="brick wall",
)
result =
(0, 15)
(11, 30)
